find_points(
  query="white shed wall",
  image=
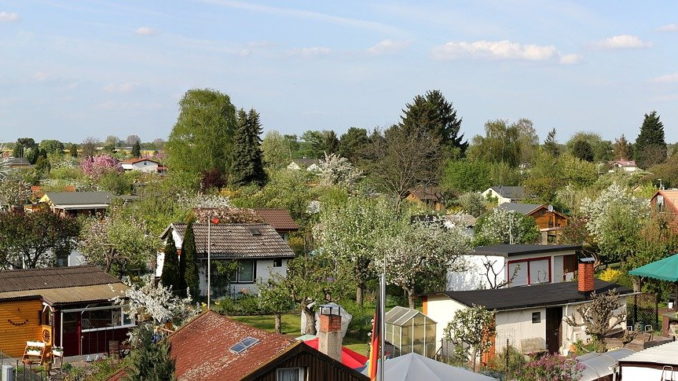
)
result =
(474, 277)
(517, 326)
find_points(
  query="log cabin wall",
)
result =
(19, 322)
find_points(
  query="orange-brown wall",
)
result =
(13, 337)
(546, 219)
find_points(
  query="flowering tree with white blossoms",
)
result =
(155, 304)
(614, 219)
(337, 170)
(504, 226)
(419, 258)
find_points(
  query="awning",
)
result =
(665, 269)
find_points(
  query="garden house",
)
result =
(409, 331)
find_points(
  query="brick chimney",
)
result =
(585, 282)
(329, 334)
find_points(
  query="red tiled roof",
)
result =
(201, 348)
(280, 219)
(350, 358)
(135, 160)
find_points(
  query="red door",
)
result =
(71, 333)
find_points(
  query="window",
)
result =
(104, 318)
(245, 273)
(531, 271)
(277, 262)
(536, 317)
(243, 344)
(290, 374)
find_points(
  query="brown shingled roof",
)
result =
(201, 348)
(55, 277)
(280, 219)
(235, 241)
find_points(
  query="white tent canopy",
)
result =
(414, 367)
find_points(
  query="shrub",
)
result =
(610, 275)
(551, 368)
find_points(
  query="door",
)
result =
(71, 333)
(554, 317)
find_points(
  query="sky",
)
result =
(70, 69)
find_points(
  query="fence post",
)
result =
(656, 312)
(635, 310)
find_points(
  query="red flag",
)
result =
(375, 341)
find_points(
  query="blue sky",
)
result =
(74, 69)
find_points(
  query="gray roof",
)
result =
(506, 250)
(540, 295)
(665, 354)
(512, 192)
(79, 198)
(16, 161)
(597, 365)
(400, 316)
(238, 241)
(54, 277)
(415, 367)
(520, 208)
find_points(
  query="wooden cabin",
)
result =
(549, 221)
(66, 307)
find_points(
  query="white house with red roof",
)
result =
(142, 164)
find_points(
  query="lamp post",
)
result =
(210, 221)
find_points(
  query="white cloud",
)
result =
(388, 47)
(315, 51)
(669, 78)
(8, 16)
(623, 41)
(145, 31)
(494, 50)
(668, 28)
(124, 87)
(570, 59)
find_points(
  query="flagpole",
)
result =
(209, 260)
(382, 320)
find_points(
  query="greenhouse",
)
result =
(410, 331)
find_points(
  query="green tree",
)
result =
(551, 145)
(52, 147)
(89, 147)
(650, 145)
(188, 264)
(202, 137)
(312, 145)
(247, 165)
(501, 144)
(276, 150)
(275, 298)
(467, 175)
(472, 203)
(35, 239)
(170, 269)
(351, 233)
(471, 330)
(433, 115)
(150, 360)
(136, 149)
(353, 143)
(73, 150)
(582, 150)
(330, 142)
(26, 148)
(602, 149)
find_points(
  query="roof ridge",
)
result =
(68, 268)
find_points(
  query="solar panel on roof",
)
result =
(243, 344)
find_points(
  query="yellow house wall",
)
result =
(13, 337)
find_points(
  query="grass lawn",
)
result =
(290, 326)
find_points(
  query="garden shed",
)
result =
(410, 331)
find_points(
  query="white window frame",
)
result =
(121, 323)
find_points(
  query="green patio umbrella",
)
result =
(665, 269)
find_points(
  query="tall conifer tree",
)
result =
(170, 268)
(136, 149)
(248, 167)
(650, 145)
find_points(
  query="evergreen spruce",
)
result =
(432, 114)
(170, 269)
(73, 151)
(551, 145)
(150, 361)
(136, 149)
(650, 146)
(248, 167)
(189, 257)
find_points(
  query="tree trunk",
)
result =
(278, 323)
(359, 294)
(410, 297)
(310, 321)
(636, 284)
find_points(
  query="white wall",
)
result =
(441, 309)
(500, 199)
(474, 277)
(638, 373)
(263, 272)
(517, 326)
(142, 166)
